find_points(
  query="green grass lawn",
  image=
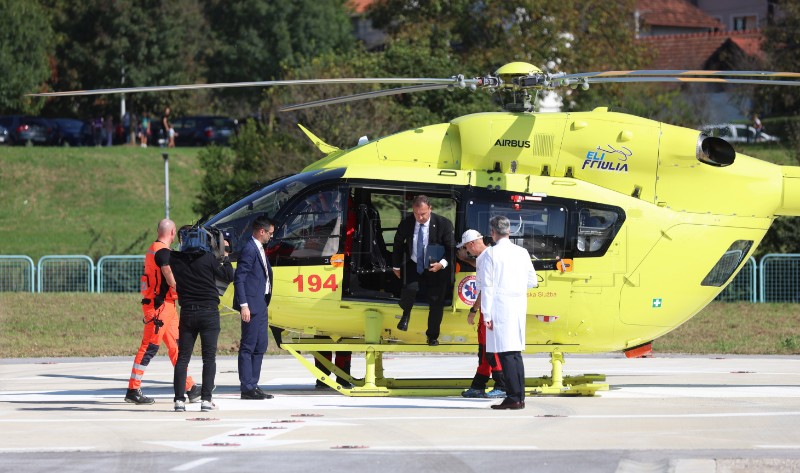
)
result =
(91, 201)
(85, 325)
(88, 325)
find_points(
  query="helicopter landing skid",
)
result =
(374, 384)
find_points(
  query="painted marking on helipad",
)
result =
(340, 421)
(245, 441)
(194, 464)
(457, 448)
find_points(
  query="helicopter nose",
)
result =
(715, 151)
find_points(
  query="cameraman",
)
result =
(198, 268)
(160, 318)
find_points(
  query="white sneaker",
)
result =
(180, 406)
(206, 406)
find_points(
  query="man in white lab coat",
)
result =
(504, 275)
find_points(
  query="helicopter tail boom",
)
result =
(790, 198)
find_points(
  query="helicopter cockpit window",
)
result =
(596, 229)
(539, 228)
(268, 201)
(313, 227)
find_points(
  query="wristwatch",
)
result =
(473, 311)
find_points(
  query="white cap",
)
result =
(468, 236)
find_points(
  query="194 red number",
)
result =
(315, 283)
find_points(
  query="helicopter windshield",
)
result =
(268, 201)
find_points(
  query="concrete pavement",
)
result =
(667, 413)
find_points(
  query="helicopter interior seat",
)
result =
(591, 234)
(369, 264)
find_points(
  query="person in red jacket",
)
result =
(160, 317)
(471, 246)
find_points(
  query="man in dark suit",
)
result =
(252, 286)
(411, 263)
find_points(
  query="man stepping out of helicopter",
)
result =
(417, 238)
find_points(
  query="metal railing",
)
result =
(71, 273)
(121, 273)
(776, 278)
(16, 274)
(780, 278)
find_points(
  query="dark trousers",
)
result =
(194, 321)
(514, 373)
(434, 286)
(251, 351)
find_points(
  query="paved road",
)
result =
(662, 414)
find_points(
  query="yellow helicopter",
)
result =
(633, 225)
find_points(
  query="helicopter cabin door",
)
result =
(313, 240)
(377, 214)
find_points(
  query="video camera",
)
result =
(199, 239)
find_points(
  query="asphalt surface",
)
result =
(662, 414)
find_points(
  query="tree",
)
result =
(254, 158)
(782, 46)
(258, 40)
(128, 43)
(569, 35)
(27, 45)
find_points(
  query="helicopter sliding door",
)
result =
(576, 247)
(540, 226)
(379, 211)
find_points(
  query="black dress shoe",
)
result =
(433, 342)
(259, 391)
(253, 394)
(510, 405)
(403, 324)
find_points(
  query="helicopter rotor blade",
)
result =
(458, 81)
(600, 80)
(680, 73)
(365, 96)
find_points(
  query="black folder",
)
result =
(434, 253)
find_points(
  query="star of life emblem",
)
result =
(468, 290)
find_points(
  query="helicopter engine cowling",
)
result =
(715, 151)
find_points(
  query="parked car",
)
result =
(203, 130)
(737, 133)
(4, 138)
(73, 132)
(34, 130)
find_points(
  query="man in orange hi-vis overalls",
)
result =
(160, 317)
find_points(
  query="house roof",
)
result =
(676, 13)
(360, 6)
(692, 51)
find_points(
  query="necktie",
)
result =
(420, 251)
(266, 270)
